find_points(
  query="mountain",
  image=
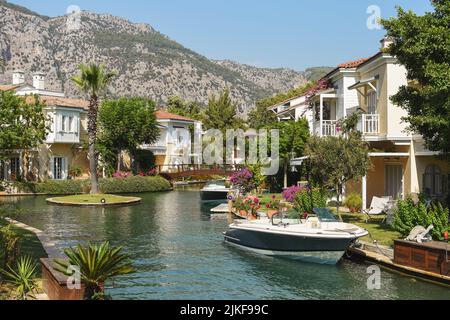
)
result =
(146, 62)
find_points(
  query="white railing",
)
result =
(330, 128)
(370, 123)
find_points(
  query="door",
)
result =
(394, 181)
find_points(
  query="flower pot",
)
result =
(243, 213)
(271, 213)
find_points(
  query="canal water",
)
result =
(179, 253)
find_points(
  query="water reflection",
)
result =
(179, 253)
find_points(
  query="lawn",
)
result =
(384, 234)
(94, 199)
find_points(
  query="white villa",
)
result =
(174, 147)
(401, 164)
(63, 149)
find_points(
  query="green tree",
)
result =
(422, 45)
(221, 113)
(188, 109)
(280, 97)
(93, 81)
(260, 117)
(125, 124)
(23, 125)
(334, 161)
(293, 137)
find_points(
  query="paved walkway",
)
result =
(47, 243)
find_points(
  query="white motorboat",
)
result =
(321, 238)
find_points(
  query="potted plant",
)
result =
(241, 207)
(253, 204)
(273, 207)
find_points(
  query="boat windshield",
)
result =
(325, 215)
(216, 183)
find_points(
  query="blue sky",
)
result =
(284, 33)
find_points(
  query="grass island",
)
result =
(94, 200)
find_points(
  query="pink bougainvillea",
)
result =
(290, 193)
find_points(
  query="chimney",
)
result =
(18, 77)
(39, 80)
(385, 43)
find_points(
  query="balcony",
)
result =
(330, 128)
(370, 124)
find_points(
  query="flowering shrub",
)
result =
(305, 199)
(290, 193)
(243, 180)
(273, 204)
(121, 175)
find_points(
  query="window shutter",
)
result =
(63, 169)
(52, 168)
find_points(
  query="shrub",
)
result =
(53, 187)
(307, 199)
(134, 184)
(354, 202)
(409, 215)
(290, 193)
(244, 180)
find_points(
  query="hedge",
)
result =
(54, 187)
(134, 184)
(112, 185)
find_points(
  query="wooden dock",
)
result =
(222, 208)
(385, 258)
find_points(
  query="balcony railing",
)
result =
(330, 128)
(370, 123)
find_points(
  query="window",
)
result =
(63, 123)
(2, 170)
(71, 123)
(433, 181)
(15, 168)
(58, 168)
(371, 102)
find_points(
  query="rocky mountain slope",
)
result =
(147, 62)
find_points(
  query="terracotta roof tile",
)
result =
(63, 102)
(163, 115)
(7, 87)
(352, 64)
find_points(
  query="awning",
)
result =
(298, 161)
(365, 82)
(389, 154)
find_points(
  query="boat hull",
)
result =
(213, 195)
(326, 250)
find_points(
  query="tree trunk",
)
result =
(338, 203)
(285, 174)
(119, 160)
(92, 131)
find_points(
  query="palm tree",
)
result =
(93, 81)
(97, 263)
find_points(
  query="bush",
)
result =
(307, 199)
(290, 193)
(54, 187)
(134, 184)
(409, 215)
(354, 202)
(113, 185)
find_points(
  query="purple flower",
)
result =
(290, 193)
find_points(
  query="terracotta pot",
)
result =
(243, 213)
(271, 213)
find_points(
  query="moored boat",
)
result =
(214, 191)
(320, 239)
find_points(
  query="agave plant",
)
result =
(97, 263)
(23, 277)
